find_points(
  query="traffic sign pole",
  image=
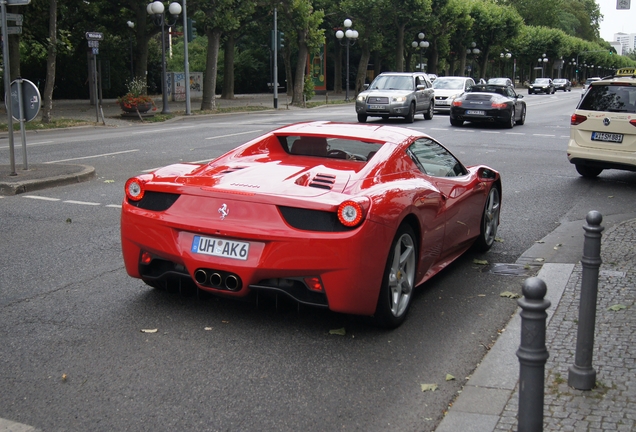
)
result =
(25, 164)
(7, 81)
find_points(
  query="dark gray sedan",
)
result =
(562, 84)
(489, 103)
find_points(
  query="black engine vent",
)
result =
(323, 181)
(155, 201)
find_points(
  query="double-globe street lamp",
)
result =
(351, 37)
(542, 61)
(475, 51)
(506, 56)
(422, 44)
(156, 10)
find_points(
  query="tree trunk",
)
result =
(227, 92)
(141, 39)
(361, 76)
(50, 64)
(337, 70)
(399, 49)
(209, 80)
(299, 78)
(289, 81)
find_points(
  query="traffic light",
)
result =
(280, 42)
(611, 52)
(577, 71)
(192, 32)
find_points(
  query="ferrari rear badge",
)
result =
(224, 211)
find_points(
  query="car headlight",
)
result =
(399, 99)
(361, 98)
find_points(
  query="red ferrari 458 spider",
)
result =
(351, 217)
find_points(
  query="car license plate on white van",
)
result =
(607, 137)
(475, 112)
(220, 247)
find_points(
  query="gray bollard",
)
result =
(582, 375)
(532, 354)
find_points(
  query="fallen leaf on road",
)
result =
(64, 377)
(617, 307)
(225, 322)
(68, 220)
(480, 262)
(208, 328)
(429, 387)
(109, 181)
(339, 332)
(499, 240)
(509, 295)
(149, 330)
(539, 241)
(449, 377)
(539, 259)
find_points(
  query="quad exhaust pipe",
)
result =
(217, 279)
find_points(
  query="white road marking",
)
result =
(32, 144)
(94, 156)
(236, 134)
(114, 205)
(82, 203)
(514, 133)
(40, 198)
(490, 132)
(439, 128)
(163, 130)
(543, 135)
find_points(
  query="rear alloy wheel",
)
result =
(398, 282)
(511, 122)
(410, 117)
(428, 115)
(522, 119)
(489, 221)
(362, 118)
(455, 122)
(587, 171)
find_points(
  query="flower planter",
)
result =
(133, 108)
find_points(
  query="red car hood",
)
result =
(272, 178)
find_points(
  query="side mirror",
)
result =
(366, 86)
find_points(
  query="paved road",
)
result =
(74, 356)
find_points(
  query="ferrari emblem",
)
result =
(224, 211)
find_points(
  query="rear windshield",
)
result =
(612, 98)
(334, 148)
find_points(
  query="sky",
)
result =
(616, 21)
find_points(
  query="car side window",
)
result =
(511, 93)
(434, 160)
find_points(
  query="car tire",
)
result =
(522, 119)
(455, 122)
(410, 116)
(428, 115)
(530, 92)
(398, 282)
(511, 123)
(362, 118)
(588, 171)
(489, 221)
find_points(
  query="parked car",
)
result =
(603, 126)
(587, 83)
(502, 81)
(489, 103)
(350, 217)
(397, 94)
(448, 88)
(541, 85)
(562, 84)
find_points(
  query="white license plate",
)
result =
(220, 247)
(377, 106)
(475, 112)
(607, 137)
(442, 102)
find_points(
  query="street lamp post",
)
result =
(351, 37)
(505, 56)
(422, 44)
(475, 51)
(156, 10)
(542, 61)
(131, 26)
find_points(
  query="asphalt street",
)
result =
(74, 353)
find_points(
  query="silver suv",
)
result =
(397, 94)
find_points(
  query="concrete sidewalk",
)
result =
(489, 401)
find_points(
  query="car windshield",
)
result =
(392, 82)
(488, 88)
(503, 81)
(448, 84)
(542, 81)
(613, 98)
(559, 81)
